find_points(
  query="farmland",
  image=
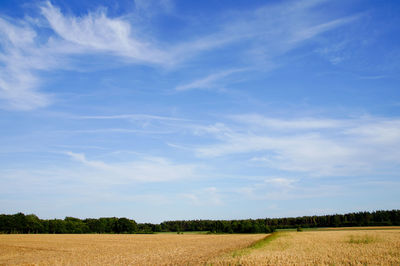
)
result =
(326, 247)
(338, 247)
(124, 249)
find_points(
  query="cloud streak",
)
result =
(204, 197)
(316, 147)
(209, 82)
(129, 117)
(150, 169)
(18, 63)
(98, 33)
(27, 51)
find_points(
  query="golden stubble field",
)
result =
(339, 247)
(346, 247)
(158, 249)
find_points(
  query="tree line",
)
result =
(21, 223)
(376, 218)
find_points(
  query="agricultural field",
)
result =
(123, 249)
(339, 247)
(319, 247)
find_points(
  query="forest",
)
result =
(21, 223)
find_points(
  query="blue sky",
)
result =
(163, 110)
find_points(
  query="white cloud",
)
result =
(283, 188)
(298, 23)
(27, 50)
(18, 81)
(267, 32)
(323, 147)
(98, 33)
(95, 164)
(310, 32)
(18, 90)
(130, 117)
(203, 197)
(281, 182)
(217, 129)
(150, 169)
(208, 82)
(282, 124)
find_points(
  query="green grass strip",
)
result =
(256, 245)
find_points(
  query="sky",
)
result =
(172, 109)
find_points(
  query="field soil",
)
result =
(157, 249)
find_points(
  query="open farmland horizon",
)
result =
(184, 127)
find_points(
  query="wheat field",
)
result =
(95, 249)
(369, 247)
(347, 247)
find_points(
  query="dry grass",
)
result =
(371, 247)
(118, 249)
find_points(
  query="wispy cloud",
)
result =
(18, 63)
(310, 32)
(116, 131)
(150, 169)
(321, 147)
(204, 197)
(263, 42)
(297, 22)
(129, 117)
(282, 188)
(214, 80)
(27, 50)
(96, 32)
(290, 124)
